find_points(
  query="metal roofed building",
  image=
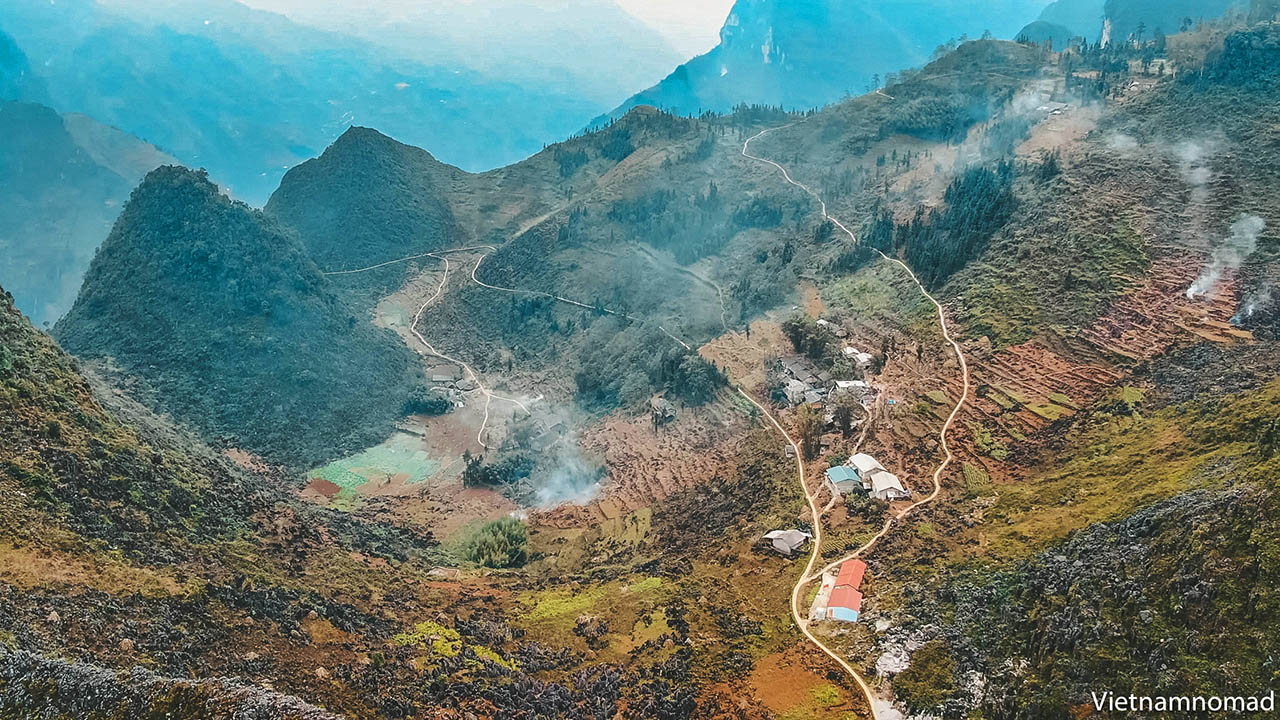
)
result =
(843, 479)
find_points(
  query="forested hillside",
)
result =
(368, 199)
(226, 323)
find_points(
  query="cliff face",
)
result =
(811, 53)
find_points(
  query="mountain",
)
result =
(1126, 18)
(64, 181)
(227, 324)
(1082, 18)
(17, 81)
(600, 52)
(248, 94)
(368, 199)
(806, 54)
(1041, 32)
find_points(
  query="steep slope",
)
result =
(1081, 18)
(17, 81)
(230, 327)
(64, 181)
(1127, 18)
(249, 94)
(808, 54)
(367, 199)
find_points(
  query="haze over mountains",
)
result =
(284, 463)
(247, 93)
(807, 54)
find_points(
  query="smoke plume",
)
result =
(1229, 254)
(568, 478)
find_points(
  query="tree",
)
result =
(809, 427)
(844, 411)
(425, 401)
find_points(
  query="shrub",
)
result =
(929, 681)
(425, 401)
(500, 544)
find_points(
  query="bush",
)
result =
(500, 544)
(929, 681)
(425, 401)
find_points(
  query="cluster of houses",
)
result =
(863, 472)
(449, 377)
(840, 596)
(808, 384)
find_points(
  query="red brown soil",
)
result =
(784, 682)
(646, 466)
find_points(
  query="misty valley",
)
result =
(716, 360)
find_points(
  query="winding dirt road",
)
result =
(809, 575)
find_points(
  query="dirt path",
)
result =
(539, 293)
(809, 575)
(489, 395)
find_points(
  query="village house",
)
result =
(787, 541)
(845, 601)
(886, 486)
(860, 358)
(843, 479)
(863, 466)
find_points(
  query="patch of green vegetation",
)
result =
(402, 454)
(1048, 411)
(441, 640)
(999, 398)
(1119, 463)
(826, 695)
(926, 530)
(986, 443)
(977, 481)
(929, 680)
(938, 397)
(488, 655)
(1063, 400)
(1131, 395)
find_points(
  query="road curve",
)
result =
(809, 575)
(489, 395)
(816, 543)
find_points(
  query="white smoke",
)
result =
(570, 478)
(1252, 303)
(1229, 254)
(1121, 142)
(1193, 162)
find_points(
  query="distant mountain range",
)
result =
(247, 93)
(810, 53)
(64, 180)
(1062, 20)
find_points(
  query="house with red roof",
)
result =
(845, 602)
